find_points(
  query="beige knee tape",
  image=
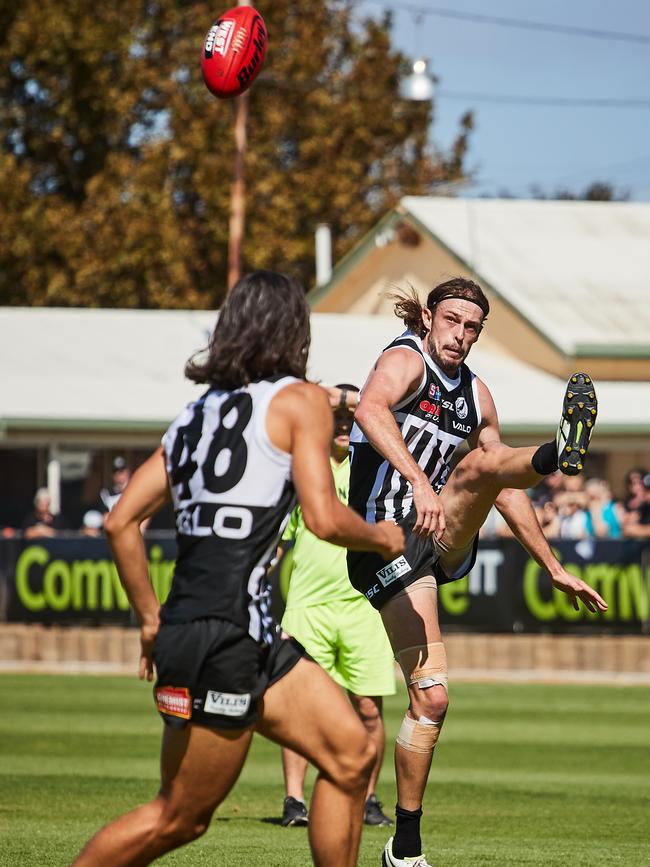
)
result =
(424, 664)
(418, 736)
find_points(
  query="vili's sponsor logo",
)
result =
(226, 703)
(393, 571)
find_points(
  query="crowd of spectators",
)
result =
(572, 507)
(567, 507)
(41, 522)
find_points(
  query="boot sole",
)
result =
(579, 410)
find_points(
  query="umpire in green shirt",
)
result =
(336, 624)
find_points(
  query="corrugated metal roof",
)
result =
(103, 367)
(577, 271)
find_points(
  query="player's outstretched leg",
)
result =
(479, 478)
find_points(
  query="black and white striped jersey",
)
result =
(434, 421)
(232, 494)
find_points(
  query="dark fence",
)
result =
(73, 580)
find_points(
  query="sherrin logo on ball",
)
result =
(233, 51)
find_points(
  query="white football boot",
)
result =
(389, 860)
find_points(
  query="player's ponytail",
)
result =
(408, 308)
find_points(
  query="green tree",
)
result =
(115, 161)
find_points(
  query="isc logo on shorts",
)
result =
(394, 570)
(226, 703)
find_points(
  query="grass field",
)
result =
(524, 775)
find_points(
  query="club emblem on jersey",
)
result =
(461, 407)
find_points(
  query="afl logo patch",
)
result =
(461, 407)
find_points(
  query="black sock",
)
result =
(545, 459)
(407, 842)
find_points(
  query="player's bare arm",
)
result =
(397, 374)
(518, 512)
(520, 516)
(300, 422)
(145, 494)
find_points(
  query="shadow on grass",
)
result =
(267, 820)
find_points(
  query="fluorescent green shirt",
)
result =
(319, 571)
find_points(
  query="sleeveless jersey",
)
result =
(232, 494)
(433, 421)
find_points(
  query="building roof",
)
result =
(578, 272)
(106, 369)
(97, 367)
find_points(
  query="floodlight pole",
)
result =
(238, 189)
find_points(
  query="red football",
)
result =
(233, 51)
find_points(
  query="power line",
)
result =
(475, 96)
(520, 23)
(578, 102)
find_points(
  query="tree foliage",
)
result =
(597, 191)
(115, 161)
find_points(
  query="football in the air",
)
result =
(233, 51)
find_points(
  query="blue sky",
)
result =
(517, 145)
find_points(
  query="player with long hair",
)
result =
(420, 403)
(232, 464)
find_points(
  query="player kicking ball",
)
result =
(420, 403)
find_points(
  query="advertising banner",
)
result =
(74, 581)
(506, 591)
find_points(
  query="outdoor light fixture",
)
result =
(419, 85)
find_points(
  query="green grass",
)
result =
(524, 775)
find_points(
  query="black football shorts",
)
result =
(211, 672)
(380, 580)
